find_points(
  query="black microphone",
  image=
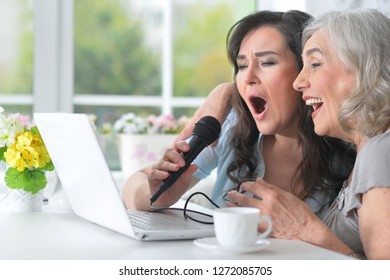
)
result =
(206, 131)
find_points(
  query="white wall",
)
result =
(316, 8)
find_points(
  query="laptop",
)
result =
(90, 188)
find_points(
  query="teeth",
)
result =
(313, 101)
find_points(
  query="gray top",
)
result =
(372, 169)
(221, 157)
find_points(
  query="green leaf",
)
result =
(48, 167)
(34, 130)
(2, 151)
(29, 180)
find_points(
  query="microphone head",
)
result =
(207, 128)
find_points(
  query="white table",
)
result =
(48, 235)
(64, 236)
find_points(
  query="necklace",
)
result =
(346, 183)
(341, 197)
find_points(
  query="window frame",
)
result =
(53, 89)
(53, 56)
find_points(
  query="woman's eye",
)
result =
(242, 66)
(267, 63)
(315, 65)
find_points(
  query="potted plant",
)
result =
(141, 141)
(27, 160)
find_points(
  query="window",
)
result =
(122, 55)
(150, 56)
(16, 41)
(109, 57)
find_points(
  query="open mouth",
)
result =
(316, 103)
(258, 104)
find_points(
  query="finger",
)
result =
(182, 146)
(174, 155)
(242, 199)
(231, 204)
(157, 175)
(185, 178)
(258, 188)
(253, 187)
(171, 160)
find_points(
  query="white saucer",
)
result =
(211, 243)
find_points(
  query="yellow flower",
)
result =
(27, 152)
(23, 140)
(42, 156)
(14, 159)
(30, 156)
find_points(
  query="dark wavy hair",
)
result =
(326, 162)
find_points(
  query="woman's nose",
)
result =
(251, 75)
(300, 82)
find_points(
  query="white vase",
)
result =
(139, 151)
(22, 201)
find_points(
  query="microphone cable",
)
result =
(186, 210)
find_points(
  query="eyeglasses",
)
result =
(238, 188)
(201, 217)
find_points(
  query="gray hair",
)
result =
(361, 39)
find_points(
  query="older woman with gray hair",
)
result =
(346, 81)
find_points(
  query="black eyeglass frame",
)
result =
(237, 188)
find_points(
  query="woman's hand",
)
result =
(290, 216)
(171, 161)
(141, 185)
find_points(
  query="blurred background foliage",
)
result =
(112, 55)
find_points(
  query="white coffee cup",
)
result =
(236, 227)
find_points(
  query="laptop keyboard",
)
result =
(157, 221)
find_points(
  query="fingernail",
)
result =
(230, 203)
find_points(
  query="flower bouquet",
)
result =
(142, 141)
(23, 151)
(163, 124)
